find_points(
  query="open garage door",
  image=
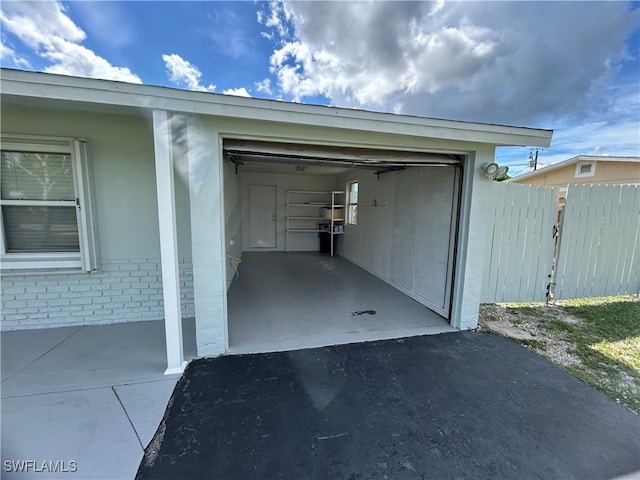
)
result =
(404, 234)
(242, 152)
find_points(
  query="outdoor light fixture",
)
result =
(493, 170)
(502, 171)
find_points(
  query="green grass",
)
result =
(532, 343)
(557, 325)
(607, 341)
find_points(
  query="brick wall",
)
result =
(123, 291)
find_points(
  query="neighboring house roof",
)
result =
(530, 169)
(573, 161)
(44, 89)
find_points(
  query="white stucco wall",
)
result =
(208, 235)
(473, 239)
(121, 148)
(128, 285)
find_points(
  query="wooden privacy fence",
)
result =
(599, 243)
(521, 246)
(593, 250)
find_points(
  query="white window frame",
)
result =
(591, 172)
(87, 258)
(349, 204)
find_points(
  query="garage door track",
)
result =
(457, 405)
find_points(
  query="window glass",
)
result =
(352, 212)
(36, 176)
(353, 193)
(31, 229)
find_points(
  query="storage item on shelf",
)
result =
(333, 213)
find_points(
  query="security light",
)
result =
(489, 169)
(493, 170)
(501, 172)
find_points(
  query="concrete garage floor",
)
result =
(93, 395)
(286, 301)
(461, 405)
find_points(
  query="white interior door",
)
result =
(262, 216)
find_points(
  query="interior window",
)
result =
(352, 210)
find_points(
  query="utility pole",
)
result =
(533, 161)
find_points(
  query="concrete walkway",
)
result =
(87, 399)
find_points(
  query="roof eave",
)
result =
(107, 92)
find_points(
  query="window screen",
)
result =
(40, 229)
(30, 182)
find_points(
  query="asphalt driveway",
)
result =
(458, 405)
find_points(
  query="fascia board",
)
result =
(103, 92)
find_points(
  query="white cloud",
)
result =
(9, 57)
(264, 86)
(238, 92)
(185, 74)
(276, 17)
(46, 28)
(500, 62)
(72, 59)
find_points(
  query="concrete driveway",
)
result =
(458, 405)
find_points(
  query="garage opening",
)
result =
(329, 245)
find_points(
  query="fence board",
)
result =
(604, 270)
(491, 269)
(635, 279)
(599, 243)
(546, 212)
(521, 245)
(631, 264)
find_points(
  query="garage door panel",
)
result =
(375, 222)
(403, 236)
(433, 220)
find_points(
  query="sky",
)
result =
(573, 67)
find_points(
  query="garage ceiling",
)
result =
(314, 159)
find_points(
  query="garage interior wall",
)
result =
(284, 182)
(405, 230)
